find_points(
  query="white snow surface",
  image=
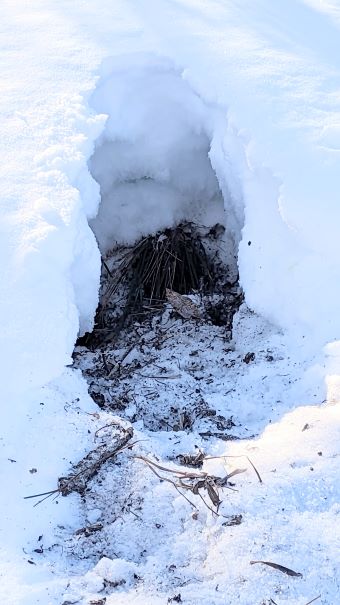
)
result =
(255, 82)
(169, 108)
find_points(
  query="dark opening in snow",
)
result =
(163, 221)
(168, 235)
(153, 161)
(138, 281)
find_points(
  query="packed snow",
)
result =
(118, 121)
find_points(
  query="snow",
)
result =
(152, 160)
(218, 111)
(38, 441)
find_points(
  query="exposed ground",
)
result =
(187, 388)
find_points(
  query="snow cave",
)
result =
(154, 163)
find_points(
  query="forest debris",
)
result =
(192, 460)
(161, 376)
(89, 466)
(239, 456)
(176, 599)
(174, 258)
(222, 436)
(89, 530)
(282, 568)
(192, 481)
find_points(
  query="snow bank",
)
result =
(266, 145)
(251, 90)
(49, 270)
(40, 436)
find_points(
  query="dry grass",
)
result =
(174, 259)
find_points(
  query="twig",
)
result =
(185, 474)
(78, 482)
(106, 426)
(53, 491)
(256, 471)
(161, 377)
(184, 496)
(105, 364)
(240, 456)
(107, 268)
(128, 351)
(209, 507)
(315, 599)
(200, 480)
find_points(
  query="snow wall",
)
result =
(261, 91)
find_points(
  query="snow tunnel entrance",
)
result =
(163, 223)
(168, 233)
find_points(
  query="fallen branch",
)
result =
(192, 481)
(89, 466)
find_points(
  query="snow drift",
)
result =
(262, 105)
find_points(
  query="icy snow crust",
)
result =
(256, 86)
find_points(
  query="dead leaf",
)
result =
(183, 305)
(286, 570)
(233, 520)
(249, 357)
(213, 495)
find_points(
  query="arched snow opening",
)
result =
(152, 160)
(160, 162)
(166, 158)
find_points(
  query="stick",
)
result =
(315, 599)
(90, 465)
(240, 456)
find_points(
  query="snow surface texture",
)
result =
(265, 79)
